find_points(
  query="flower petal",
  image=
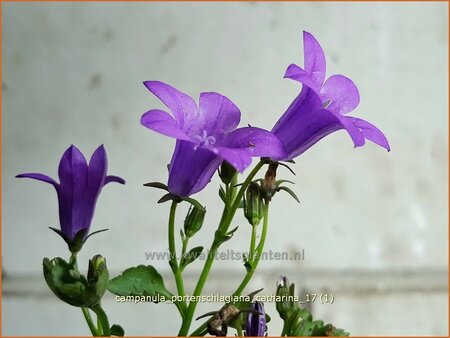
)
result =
(161, 122)
(342, 94)
(218, 114)
(371, 133)
(314, 57)
(98, 166)
(355, 133)
(257, 142)
(304, 124)
(240, 159)
(296, 73)
(73, 176)
(182, 106)
(39, 177)
(191, 168)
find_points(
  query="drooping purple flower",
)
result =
(256, 323)
(78, 189)
(206, 136)
(320, 108)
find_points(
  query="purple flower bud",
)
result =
(256, 323)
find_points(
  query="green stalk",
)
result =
(89, 321)
(101, 315)
(252, 245)
(223, 227)
(173, 258)
(259, 251)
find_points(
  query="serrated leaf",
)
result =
(139, 281)
(290, 192)
(190, 256)
(157, 185)
(117, 330)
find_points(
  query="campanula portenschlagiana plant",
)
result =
(208, 140)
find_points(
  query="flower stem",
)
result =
(251, 252)
(89, 321)
(259, 250)
(101, 315)
(223, 227)
(173, 255)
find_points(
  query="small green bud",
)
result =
(194, 221)
(226, 172)
(71, 287)
(253, 204)
(286, 291)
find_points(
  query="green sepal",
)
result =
(226, 172)
(290, 192)
(157, 185)
(79, 239)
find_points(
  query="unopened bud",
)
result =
(70, 286)
(194, 221)
(253, 204)
(286, 292)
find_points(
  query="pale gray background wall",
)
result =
(373, 224)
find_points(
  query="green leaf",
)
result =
(290, 192)
(139, 281)
(190, 256)
(117, 330)
(157, 185)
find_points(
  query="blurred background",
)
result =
(373, 225)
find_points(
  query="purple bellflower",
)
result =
(256, 323)
(78, 190)
(206, 136)
(320, 108)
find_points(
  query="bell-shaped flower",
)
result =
(320, 108)
(206, 136)
(78, 189)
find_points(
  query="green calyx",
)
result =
(194, 220)
(253, 204)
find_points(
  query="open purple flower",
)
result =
(320, 107)
(78, 190)
(206, 136)
(256, 323)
